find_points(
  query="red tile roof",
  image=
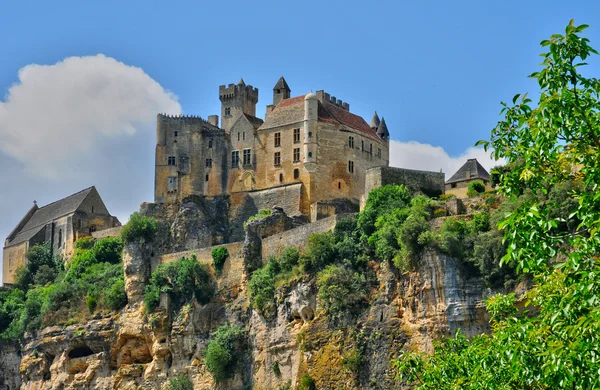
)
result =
(327, 113)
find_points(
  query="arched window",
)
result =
(296, 173)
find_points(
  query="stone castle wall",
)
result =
(277, 243)
(426, 182)
(112, 232)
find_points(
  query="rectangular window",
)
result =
(296, 155)
(362, 146)
(172, 184)
(379, 152)
(351, 166)
(209, 163)
(171, 160)
(244, 136)
(247, 155)
(235, 158)
(296, 136)
(370, 148)
(238, 135)
(175, 133)
(351, 142)
(277, 159)
(227, 111)
(277, 140)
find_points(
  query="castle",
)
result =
(308, 149)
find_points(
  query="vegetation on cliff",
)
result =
(48, 294)
(551, 231)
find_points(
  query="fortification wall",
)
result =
(112, 232)
(426, 182)
(233, 269)
(246, 204)
(277, 243)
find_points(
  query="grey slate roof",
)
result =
(472, 169)
(48, 213)
(375, 121)
(282, 84)
(254, 121)
(382, 130)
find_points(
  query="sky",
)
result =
(81, 82)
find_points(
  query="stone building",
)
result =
(61, 223)
(471, 171)
(309, 148)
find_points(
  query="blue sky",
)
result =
(436, 70)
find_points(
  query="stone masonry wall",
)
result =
(246, 204)
(112, 232)
(426, 182)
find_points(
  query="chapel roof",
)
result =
(470, 170)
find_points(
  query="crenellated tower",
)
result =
(236, 99)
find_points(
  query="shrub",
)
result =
(307, 382)
(447, 196)
(262, 289)
(219, 255)
(319, 252)
(289, 259)
(91, 301)
(44, 275)
(276, 369)
(352, 360)
(180, 382)
(182, 279)
(222, 352)
(380, 201)
(475, 188)
(342, 293)
(139, 227)
(108, 250)
(441, 212)
(115, 296)
(84, 243)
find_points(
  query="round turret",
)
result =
(310, 96)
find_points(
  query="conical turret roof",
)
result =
(382, 130)
(375, 121)
(281, 84)
(241, 82)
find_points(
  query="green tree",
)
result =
(139, 227)
(555, 345)
(219, 255)
(475, 188)
(223, 350)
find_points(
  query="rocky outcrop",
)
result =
(10, 360)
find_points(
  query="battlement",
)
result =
(175, 120)
(231, 91)
(324, 97)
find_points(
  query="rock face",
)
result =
(138, 350)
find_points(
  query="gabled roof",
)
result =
(254, 121)
(472, 169)
(291, 110)
(281, 84)
(48, 213)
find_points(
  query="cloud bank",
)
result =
(415, 155)
(57, 113)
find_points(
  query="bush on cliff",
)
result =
(183, 280)
(139, 227)
(219, 255)
(342, 293)
(223, 351)
(180, 382)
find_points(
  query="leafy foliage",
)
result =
(262, 213)
(553, 148)
(475, 188)
(223, 351)
(139, 227)
(219, 255)
(180, 382)
(342, 293)
(183, 280)
(307, 382)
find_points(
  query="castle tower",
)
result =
(311, 108)
(236, 100)
(375, 122)
(281, 91)
(382, 130)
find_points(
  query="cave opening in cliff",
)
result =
(80, 352)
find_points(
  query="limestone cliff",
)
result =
(133, 349)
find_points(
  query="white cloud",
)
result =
(55, 114)
(415, 155)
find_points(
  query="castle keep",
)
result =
(308, 149)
